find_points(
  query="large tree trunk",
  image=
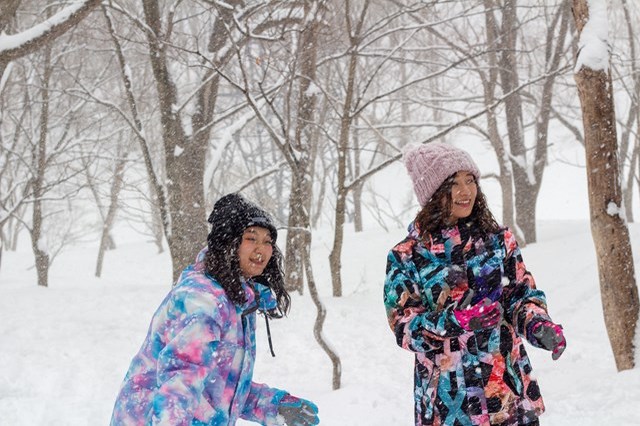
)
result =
(609, 230)
(184, 158)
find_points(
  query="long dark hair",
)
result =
(223, 264)
(435, 214)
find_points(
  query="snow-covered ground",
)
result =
(65, 349)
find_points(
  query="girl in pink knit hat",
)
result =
(458, 295)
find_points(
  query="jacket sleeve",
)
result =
(261, 405)
(186, 360)
(524, 304)
(416, 325)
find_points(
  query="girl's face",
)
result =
(463, 195)
(255, 251)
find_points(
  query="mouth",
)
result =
(258, 260)
(463, 203)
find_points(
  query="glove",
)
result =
(550, 337)
(297, 411)
(485, 314)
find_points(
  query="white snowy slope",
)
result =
(64, 349)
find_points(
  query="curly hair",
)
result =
(223, 264)
(435, 214)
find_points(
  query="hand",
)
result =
(297, 411)
(550, 337)
(485, 314)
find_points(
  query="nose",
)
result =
(463, 189)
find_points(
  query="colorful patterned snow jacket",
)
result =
(195, 366)
(461, 377)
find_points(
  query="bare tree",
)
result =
(618, 288)
(19, 45)
(294, 136)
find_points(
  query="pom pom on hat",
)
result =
(429, 165)
(231, 215)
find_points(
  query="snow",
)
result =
(593, 47)
(14, 41)
(614, 210)
(5, 76)
(65, 349)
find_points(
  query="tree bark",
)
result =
(634, 117)
(106, 241)
(346, 119)
(609, 230)
(319, 323)
(490, 82)
(38, 181)
(524, 213)
(299, 222)
(184, 158)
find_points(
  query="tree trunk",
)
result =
(628, 193)
(299, 222)
(106, 242)
(634, 117)
(609, 230)
(356, 192)
(490, 82)
(184, 158)
(335, 262)
(319, 323)
(525, 214)
(40, 164)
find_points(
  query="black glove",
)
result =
(297, 411)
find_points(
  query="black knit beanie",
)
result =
(231, 215)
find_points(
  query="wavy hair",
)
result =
(223, 264)
(435, 214)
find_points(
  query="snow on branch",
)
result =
(593, 47)
(14, 46)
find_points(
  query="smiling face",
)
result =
(254, 251)
(463, 195)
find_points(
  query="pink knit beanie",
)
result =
(429, 165)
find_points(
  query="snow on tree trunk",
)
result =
(608, 226)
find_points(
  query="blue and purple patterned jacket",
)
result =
(195, 366)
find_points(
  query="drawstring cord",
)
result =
(266, 321)
(266, 318)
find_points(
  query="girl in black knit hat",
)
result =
(195, 366)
